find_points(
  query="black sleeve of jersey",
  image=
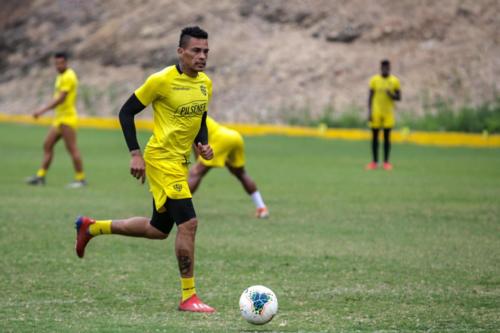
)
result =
(127, 113)
(203, 133)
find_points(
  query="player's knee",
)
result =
(198, 171)
(189, 227)
(160, 235)
(239, 173)
(71, 148)
(75, 154)
(153, 233)
(194, 173)
(47, 146)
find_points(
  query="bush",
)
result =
(465, 119)
(351, 118)
(439, 117)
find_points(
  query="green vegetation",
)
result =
(345, 250)
(95, 100)
(440, 116)
(485, 117)
(91, 97)
(353, 117)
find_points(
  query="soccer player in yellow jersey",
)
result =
(228, 148)
(384, 91)
(180, 96)
(64, 124)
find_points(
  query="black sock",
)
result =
(387, 144)
(375, 144)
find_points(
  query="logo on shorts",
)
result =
(203, 90)
(178, 187)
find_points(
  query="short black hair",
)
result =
(385, 62)
(189, 32)
(61, 54)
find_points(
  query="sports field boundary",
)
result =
(445, 139)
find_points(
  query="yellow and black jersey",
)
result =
(179, 102)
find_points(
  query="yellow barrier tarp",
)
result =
(422, 138)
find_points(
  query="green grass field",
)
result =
(415, 249)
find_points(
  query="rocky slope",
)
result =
(269, 60)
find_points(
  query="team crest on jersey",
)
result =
(203, 90)
(178, 187)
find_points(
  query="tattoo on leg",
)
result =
(184, 264)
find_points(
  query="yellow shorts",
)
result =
(382, 119)
(71, 121)
(228, 147)
(167, 179)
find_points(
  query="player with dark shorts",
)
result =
(180, 96)
(385, 89)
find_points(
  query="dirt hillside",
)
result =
(269, 60)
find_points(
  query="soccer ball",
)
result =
(258, 305)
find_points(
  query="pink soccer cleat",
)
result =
(83, 236)
(371, 166)
(194, 304)
(262, 213)
(387, 166)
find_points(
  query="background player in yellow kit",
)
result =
(180, 95)
(384, 90)
(228, 147)
(64, 124)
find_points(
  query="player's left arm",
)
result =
(395, 93)
(55, 102)
(395, 96)
(201, 145)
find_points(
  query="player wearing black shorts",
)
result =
(180, 96)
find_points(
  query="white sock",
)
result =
(257, 200)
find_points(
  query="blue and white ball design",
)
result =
(258, 305)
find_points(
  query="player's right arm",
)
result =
(127, 113)
(67, 83)
(370, 99)
(371, 92)
(141, 98)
